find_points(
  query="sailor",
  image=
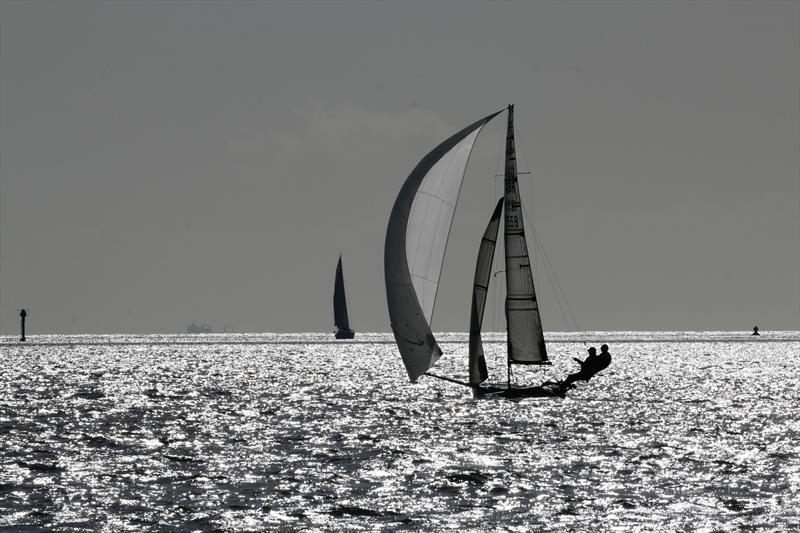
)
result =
(590, 366)
(755, 331)
(592, 356)
(584, 373)
(604, 359)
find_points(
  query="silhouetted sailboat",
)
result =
(416, 239)
(343, 330)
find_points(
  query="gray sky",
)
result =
(168, 162)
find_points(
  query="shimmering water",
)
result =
(684, 432)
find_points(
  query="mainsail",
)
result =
(525, 336)
(483, 270)
(339, 300)
(416, 238)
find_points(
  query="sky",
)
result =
(169, 162)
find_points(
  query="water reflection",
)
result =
(674, 436)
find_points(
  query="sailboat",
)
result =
(343, 330)
(416, 238)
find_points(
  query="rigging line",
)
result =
(531, 195)
(537, 240)
(564, 315)
(458, 195)
(497, 167)
(451, 380)
(552, 271)
(557, 289)
(497, 183)
(528, 166)
(555, 276)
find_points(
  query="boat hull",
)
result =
(555, 390)
(343, 334)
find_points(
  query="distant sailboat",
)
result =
(416, 239)
(343, 330)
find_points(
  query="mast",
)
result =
(525, 335)
(339, 300)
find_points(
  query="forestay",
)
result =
(416, 239)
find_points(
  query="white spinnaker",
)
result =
(416, 238)
(430, 220)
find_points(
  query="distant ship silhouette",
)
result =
(198, 328)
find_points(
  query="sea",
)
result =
(685, 431)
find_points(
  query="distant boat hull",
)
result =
(554, 390)
(345, 334)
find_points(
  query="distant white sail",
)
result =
(483, 270)
(416, 239)
(525, 336)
